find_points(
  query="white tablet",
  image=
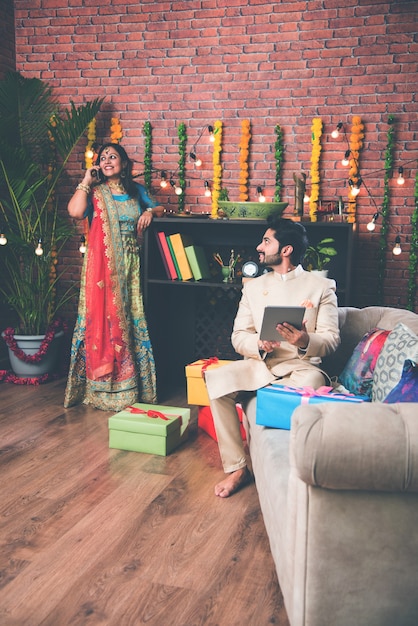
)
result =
(274, 315)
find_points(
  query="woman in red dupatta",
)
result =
(112, 363)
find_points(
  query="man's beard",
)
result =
(271, 260)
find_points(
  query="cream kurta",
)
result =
(295, 288)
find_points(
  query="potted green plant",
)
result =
(318, 256)
(36, 141)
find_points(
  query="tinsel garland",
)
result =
(413, 255)
(381, 260)
(356, 144)
(278, 155)
(316, 132)
(116, 133)
(244, 153)
(182, 135)
(9, 338)
(148, 156)
(9, 377)
(217, 166)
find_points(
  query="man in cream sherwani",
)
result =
(282, 249)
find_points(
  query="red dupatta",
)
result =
(106, 323)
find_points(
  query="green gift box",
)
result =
(149, 428)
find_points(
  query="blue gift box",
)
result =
(276, 403)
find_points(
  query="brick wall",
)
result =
(7, 38)
(283, 63)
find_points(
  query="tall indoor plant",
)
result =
(36, 140)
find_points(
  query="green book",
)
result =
(176, 265)
(198, 262)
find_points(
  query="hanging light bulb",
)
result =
(3, 239)
(39, 250)
(89, 154)
(400, 179)
(163, 182)
(211, 135)
(82, 246)
(261, 196)
(372, 224)
(177, 190)
(306, 197)
(197, 161)
(336, 132)
(208, 192)
(397, 250)
(346, 159)
(354, 187)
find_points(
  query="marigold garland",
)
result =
(217, 166)
(356, 144)
(244, 153)
(116, 133)
(413, 256)
(316, 130)
(91, 138)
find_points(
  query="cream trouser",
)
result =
(226, 420)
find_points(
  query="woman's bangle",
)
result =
(83, 187)
(149, 210)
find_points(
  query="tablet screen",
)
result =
(274, 315)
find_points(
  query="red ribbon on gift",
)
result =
(149, 413)
(206, 363)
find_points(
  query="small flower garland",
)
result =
(413, 256)
(116, 133)
(148, 156)
(217, 166)
(9, 377)
(316, 130)
(244, 153)
(381, 260)
(278, 155)
(356, 144)
(9, 338)
(182, 135)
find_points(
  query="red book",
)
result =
(166, 256)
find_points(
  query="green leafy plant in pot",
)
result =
(318, 256)
(36, 141)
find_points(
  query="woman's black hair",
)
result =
(289, 233)
(126, 174)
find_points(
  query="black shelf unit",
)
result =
(189, 320)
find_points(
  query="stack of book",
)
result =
(182, 259)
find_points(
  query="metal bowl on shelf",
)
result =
(249, 210)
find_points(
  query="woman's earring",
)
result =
(123, 174)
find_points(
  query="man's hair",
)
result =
(289, 233)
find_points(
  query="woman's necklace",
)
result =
(116, 186)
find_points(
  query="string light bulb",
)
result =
(397, 250)
(306, 197)
(82, 246)
(336, 132)
(197, 161)
(163, 182)
(211, 135)
(346, 158)
(3, 239)
(39, 250)
(177, 190)
(208, 192)
(400, 179)
(372, 224)
(89, 154)
(261, 196)
(354, 187)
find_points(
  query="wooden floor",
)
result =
(91, 535)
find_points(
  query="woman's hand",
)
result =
(144, 221)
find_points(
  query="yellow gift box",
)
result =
(196, 387)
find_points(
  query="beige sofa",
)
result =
(339, 496)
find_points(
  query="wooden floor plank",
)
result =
(92, 535)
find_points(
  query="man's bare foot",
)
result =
(234, 481)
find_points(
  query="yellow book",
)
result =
(178, 243)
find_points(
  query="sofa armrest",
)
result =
(370, 446)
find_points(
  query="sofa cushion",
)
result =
(357, 375)
(401, 344)
(407, 388)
